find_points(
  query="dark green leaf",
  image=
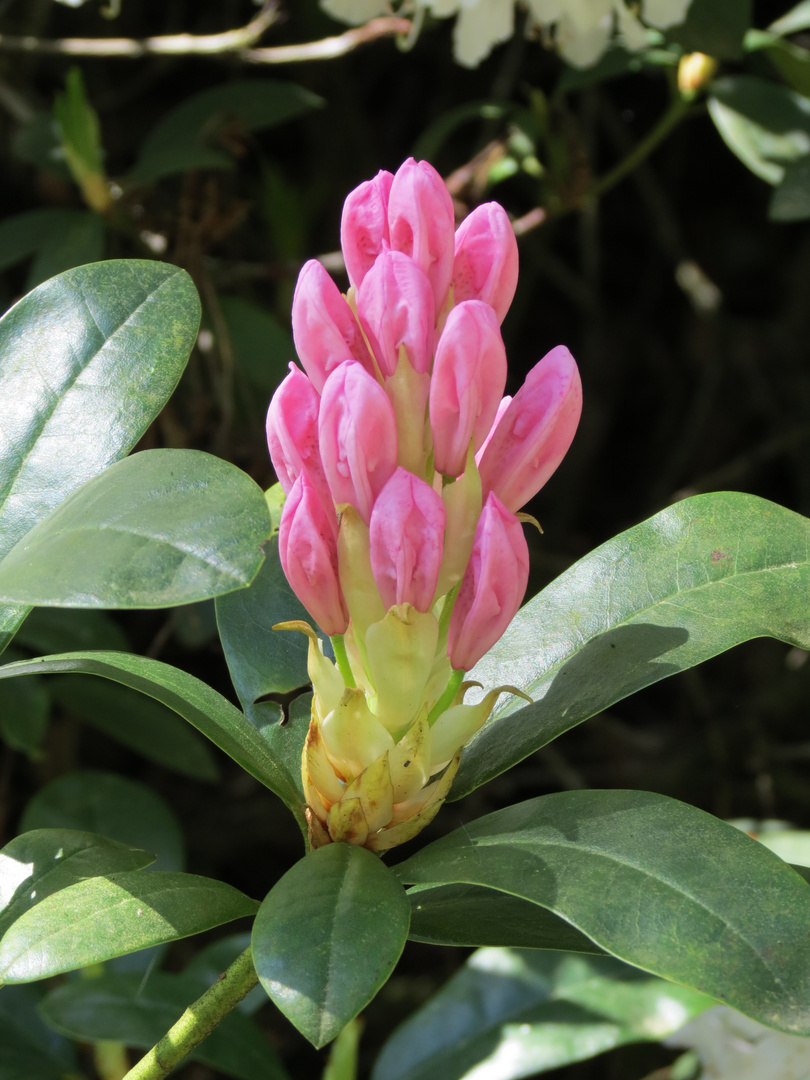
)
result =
(193, 699)
(25, 707)
(31, 1051)
(162, 527)
(653, 881)
(139, 722)
(766, 125)
(433, 139)
(138, 1012)
(791, 61)
(53, 630)
(95, 920)
(198, 133)
(791, 199)
(263, 349)
(209, 963)
(43, 861)
(112, 806)
(59, 238)
(508, 1014)
(714, 27)
(327, 937)
(696, 579)
(469, 915)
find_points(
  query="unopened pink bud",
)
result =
(421, 222)
(534, 432)
(292, 429)
(358, 437)
(469, 375)
(406, 536)
(503, 405)
(307, 546)
(325, 330)
(492, 587)
(485, 265)
(364, 225)
(395, 307)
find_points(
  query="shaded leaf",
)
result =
(209, 963)
(327, 936)
(696, 579)
(714, 27)
(25, 708)
(136, 1012)
(111, 806)
(103, 917)
(653, 881)
(194, 700)
(59, 238)
(31, 1050)
(52, 630)
(263, 349)
(791, 199)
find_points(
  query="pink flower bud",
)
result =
(364, 225)
(485, 265)
(325, 330)
(469, 375)
(357, 432)
(503, 405)
(492, 587)
(534, 432)
(292, 430)
(421, 221)
(395, 307)
(406, 535)
(307, 546)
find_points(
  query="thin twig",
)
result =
(168, 45)
(331, 47)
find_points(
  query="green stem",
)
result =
(342, 659)
(198, 1021)
(678, 109)
(446, 700)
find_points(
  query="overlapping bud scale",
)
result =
(404, 468)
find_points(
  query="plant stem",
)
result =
(342, 659)
(446, 700)
(677, 111)
(198, 1021)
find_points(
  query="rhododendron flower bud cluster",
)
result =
(404, 468)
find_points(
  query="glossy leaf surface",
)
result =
(40, 862)
(160, 528)
(194, 700)
(103, 917)
(692, 581)
(509, 1014)
(327, 937)
(653, 881)
(138, 1012)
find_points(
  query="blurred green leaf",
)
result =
(25, 708)
(714, 27)
(31, 1050)
(791, 198)
(137, 1012)
(207, 130)
(766, 125)
(139, 722)
(60, 239)
(162, 527)
(112, 806)
(699, 577)
(657, 883)
(103, 917)
(327, 936)
(509, 1014)
(43, 861)
(343, 1053)
(262, 348)
(194, 700)
(469, 915)
(80, 134)
(791, 61)
(798, 18)
(51, 630)
(208, 964)
(432, 140)
(36, 142)
(88, 360)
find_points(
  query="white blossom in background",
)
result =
(581, 29)
(733, 1047)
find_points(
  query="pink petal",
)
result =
(421, 222)
(364, 225)
(485, 264)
